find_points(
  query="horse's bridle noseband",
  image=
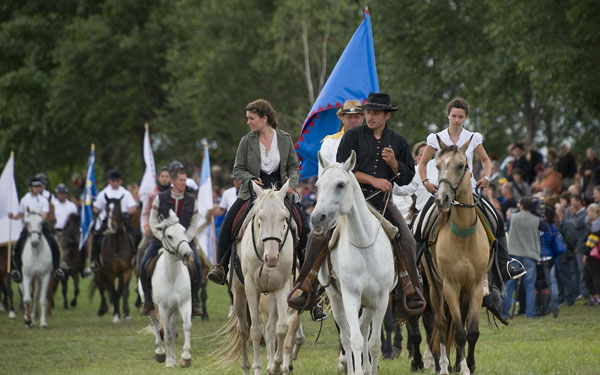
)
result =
(281, 242)
(165, 243)
(455, 189)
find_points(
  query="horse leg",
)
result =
(300, 338)
(270, 331)
(203, 299)
(166, 318)
(114, 298)
(452, 296)
(159, 345)
(35, 300)
(43, 295)
(185, 310)
(100, 284)
(365, 325)
(414, 340)
(386, 334)
(472, 323)
(281, 327)
(125, 292)
(376, 325)
(397, 342)
(256, 327)
(26, 290)
(11, 307)
(64, 286)
(76, 289)
(345, 363)
(291, 340)
(351, 309)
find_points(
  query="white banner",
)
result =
(9, 229)
(149, 180)
(206, 236)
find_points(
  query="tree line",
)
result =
(78, 72)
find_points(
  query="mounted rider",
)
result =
(32, 202)
(186, 207)
(129, 207)
(382, 156)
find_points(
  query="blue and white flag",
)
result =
(206, 236)
(89, 196)
(353, 77)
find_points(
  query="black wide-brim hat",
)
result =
(378, 101)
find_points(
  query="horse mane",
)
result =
(259, 202)
(167, 222)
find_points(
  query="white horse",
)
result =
(37, 266)
(171, 292)
(266, 255)
(362, 262)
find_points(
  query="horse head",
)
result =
(272, 219)
(173, 237)
(336, 186)
(34, 223)
(114, 216)
(453, 173)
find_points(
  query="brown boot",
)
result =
(305, 299)
(196, 310)
(217, 274)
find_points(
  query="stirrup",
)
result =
(317, 313)
(519, 269)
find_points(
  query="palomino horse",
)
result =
(37, 266)
(115, 262)
(362, 264)
(266, 255)
(460, 255)
(71, 257)
(6, 293)
(171, 292)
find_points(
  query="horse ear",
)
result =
(350, 162)
(283, 191)
(173, 215)
(257, 189)
(322, 161)
(440, 142)
(464, 147)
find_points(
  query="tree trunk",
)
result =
(307, 75)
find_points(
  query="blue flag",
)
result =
(89, 196)
(353, 77)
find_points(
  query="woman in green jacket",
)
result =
(265, 155)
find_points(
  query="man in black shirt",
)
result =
(383, 158)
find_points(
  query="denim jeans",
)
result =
(569, 277)
(528, 283)
(553, 288)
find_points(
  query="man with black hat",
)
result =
(383, 157)
(129, 207)
(34, 202)
(186, 207)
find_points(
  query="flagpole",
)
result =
(88, 239)
(12, 154)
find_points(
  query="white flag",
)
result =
(149, 180)
(9, 229)
(205, 204)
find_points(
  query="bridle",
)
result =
(30, 232)
(165, 245)
(281, 242)
(455, 190)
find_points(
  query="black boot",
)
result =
(317, 312)
(495, 304)
(147, 289)
(196, 308)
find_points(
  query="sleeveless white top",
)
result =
(464, 137)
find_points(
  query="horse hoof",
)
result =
(73, 303)
(185, 362)
(160, 358)
(44, 326)
(12, 315)
(116, 319)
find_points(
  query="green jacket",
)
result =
(247, 161)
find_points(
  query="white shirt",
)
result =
(35, 203)
(464, 136)
(228, 198)
(62, 211)
(108, 192)
(269, 163)
(329, 148)
(414, 187)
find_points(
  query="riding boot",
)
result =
(15, 274)
(495, 304)
(196, 308)
(317, 312)
(415, 303)
(510, 268)
(147, 289)
(95, 256)
(218, 272)
(58, 272)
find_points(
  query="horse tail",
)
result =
(450, 332)
(230, 347)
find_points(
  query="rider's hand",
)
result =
(147, 231)
(291, 191)
(431, 188)
(382, 184)
(389, 157)
(258, 181)
(483, 183)
(10, 215)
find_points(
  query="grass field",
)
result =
(80, 342)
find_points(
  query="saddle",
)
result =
(151, 265)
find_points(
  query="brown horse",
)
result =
(6, 292)
(71, 257)
(117, 251)
(460, 256)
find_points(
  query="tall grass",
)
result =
(80, 342)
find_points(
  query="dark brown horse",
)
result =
(6, 292)
(71, 257)
(116, 254)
